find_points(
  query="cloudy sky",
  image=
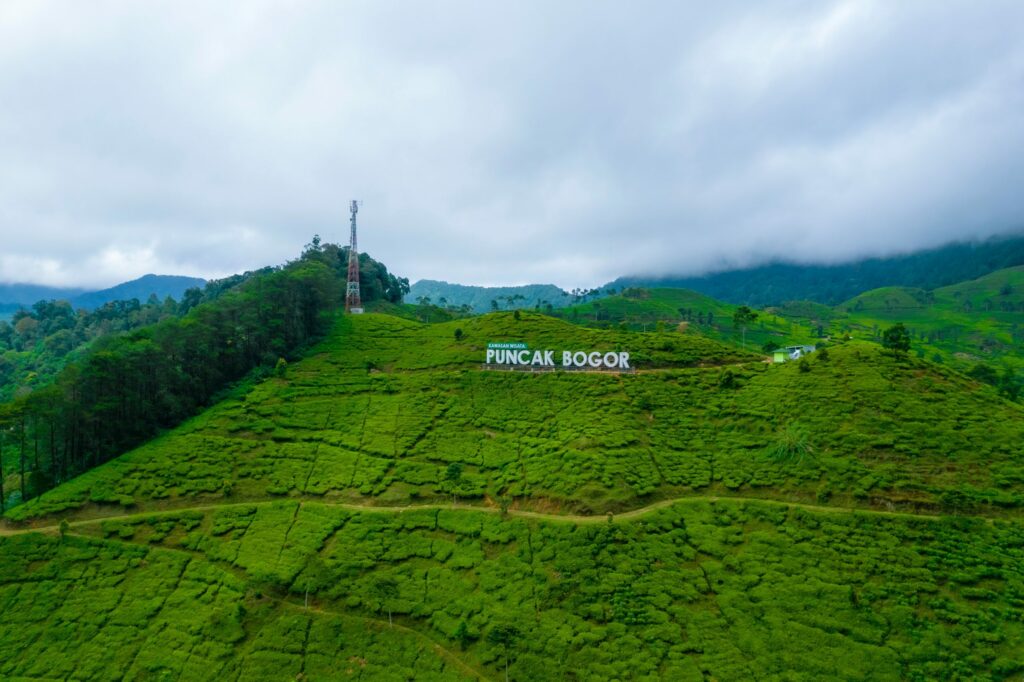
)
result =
(502, 143)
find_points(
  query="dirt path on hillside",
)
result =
(442, 651)
(630, 515)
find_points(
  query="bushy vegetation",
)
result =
(37, 343)
(92, 610)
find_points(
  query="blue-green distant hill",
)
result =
(15, 296)
(776, 283)
(479, 298)
(142, 288)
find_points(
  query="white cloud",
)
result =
(567, 142)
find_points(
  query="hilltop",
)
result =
(112, 378)
(16, 295)
(142, 288)
(13, 296)
(487, 299)
(998, 292)
(404, 390)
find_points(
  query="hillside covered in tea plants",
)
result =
(975, 326)
(977, 321)
(387, 509)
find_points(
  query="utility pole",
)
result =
(352, 302)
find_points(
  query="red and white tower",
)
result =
(352, 302)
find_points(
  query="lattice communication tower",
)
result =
(352, 302)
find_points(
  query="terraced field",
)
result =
(727, 590)
(387, 510)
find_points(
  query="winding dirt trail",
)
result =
(630, 515)
(442, 651)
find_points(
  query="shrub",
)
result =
(792, 446)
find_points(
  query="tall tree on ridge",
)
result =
(743, 317)
(897, 339)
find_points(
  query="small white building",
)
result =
(791, 353)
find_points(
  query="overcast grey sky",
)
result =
(502, 143)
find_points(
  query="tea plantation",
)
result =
(974, 321)
(966, 324)
(386, 509)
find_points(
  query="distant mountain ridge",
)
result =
(777, 283)
(479, 298)
(14, 296)
(27, 294)
(141, 288)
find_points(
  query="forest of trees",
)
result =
(127, 387)
(35, 343)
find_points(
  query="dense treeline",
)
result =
(130, 386)
(37, 342)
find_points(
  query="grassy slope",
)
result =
(578, 441)
(732, 589)
(979, 320)
(965, 322)
(384, 405)
(479, 298)
(644, 308)
(728, 591)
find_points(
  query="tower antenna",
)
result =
(352, 303)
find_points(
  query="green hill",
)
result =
(382, 408)
(976, 321)
(386, 509)
(486, 299)
(393, 402)
(142, 288)
(648, 309)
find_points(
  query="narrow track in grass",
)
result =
(442, 651)
(578, 519)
